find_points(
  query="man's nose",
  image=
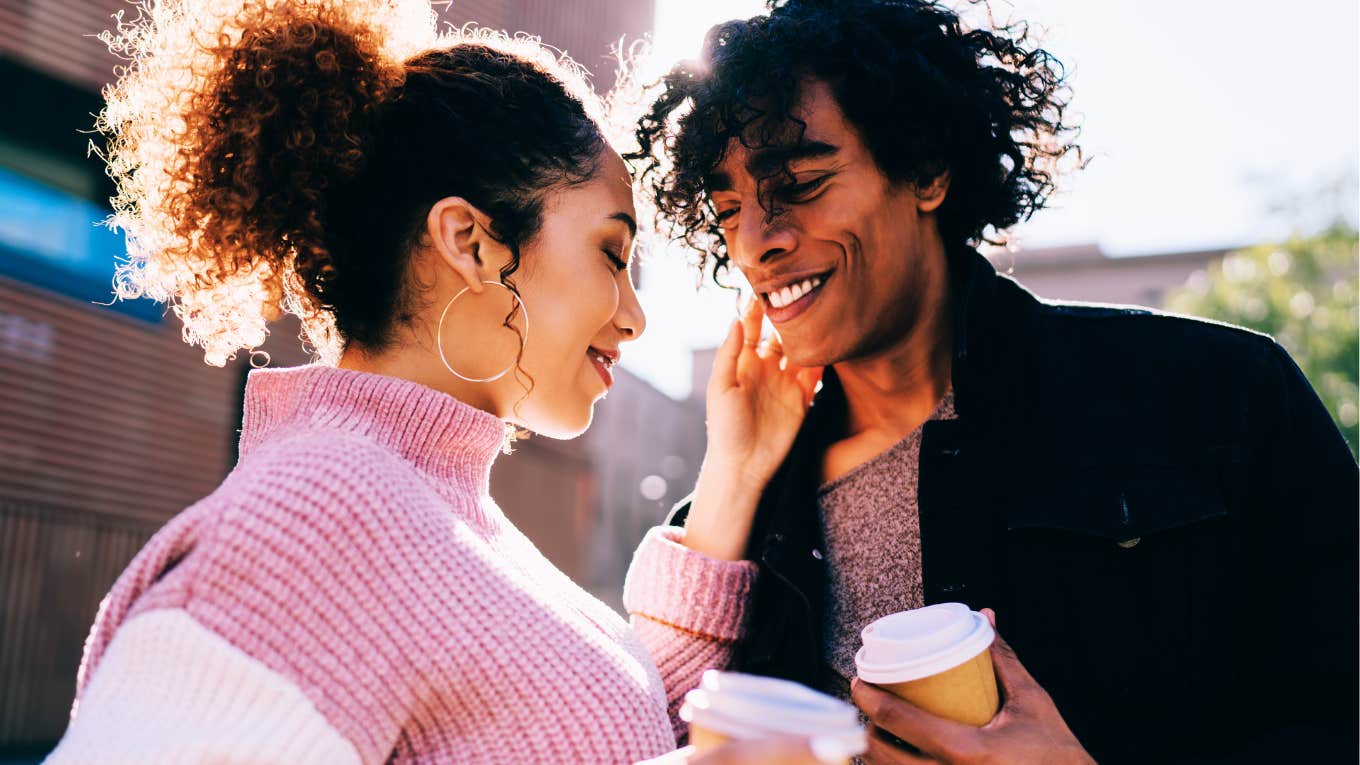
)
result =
(761, 238)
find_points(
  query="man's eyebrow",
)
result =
(765, 162)
(628, 220)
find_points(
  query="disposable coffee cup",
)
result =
(935, 657)
(731, 706)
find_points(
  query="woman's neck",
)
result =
(416, 365)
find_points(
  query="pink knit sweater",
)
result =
(350, 593)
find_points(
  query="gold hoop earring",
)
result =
(439, 335)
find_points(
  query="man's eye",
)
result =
(725, 215)
(799, 192)
(618, 262)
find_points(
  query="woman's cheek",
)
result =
(599, 300)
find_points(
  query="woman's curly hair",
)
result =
(282, 155)
(926, 94)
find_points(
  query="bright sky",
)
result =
(1198, 115)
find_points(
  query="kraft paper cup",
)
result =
(730, 706)
(935, 657)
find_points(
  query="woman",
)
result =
(454, 232)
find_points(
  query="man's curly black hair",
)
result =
(925, 93)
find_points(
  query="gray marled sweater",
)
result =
(873, 548)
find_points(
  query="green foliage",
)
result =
(1303, 293)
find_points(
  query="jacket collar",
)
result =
(973, 283)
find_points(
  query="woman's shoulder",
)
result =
(313, 517)
(271, 547)
(308, 544)
(308, 532)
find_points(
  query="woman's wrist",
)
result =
(721, 514)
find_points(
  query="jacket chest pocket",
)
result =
(1147, 530)
(1121, 509)
(1119, 581)
(1133, 541)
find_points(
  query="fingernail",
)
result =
(833, 750)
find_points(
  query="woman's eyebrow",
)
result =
(627, 220)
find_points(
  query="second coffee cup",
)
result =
(729, 705)
(937, 658)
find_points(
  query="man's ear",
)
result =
(930, 196)
(454, 228)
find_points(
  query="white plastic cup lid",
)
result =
(922, 642)
(742, 706)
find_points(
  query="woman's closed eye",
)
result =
(615, 259)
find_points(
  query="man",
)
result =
(1159, 510)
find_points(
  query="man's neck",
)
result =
(893, 392)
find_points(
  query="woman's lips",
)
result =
(603, 364)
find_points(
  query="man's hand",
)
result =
(1028, 729)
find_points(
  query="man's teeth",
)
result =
(603, 359)
(793, 292)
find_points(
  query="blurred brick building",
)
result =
(1085, 273)
(109, 424)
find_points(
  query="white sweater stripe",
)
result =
(168, 690)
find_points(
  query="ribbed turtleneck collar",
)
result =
(453, 442)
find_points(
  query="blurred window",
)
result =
(54, 240)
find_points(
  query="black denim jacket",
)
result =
(1160, 510)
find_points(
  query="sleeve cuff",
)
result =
(687, 590)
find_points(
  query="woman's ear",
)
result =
(454, 229)
(930, 196)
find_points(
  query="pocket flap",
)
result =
(1113, 506)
